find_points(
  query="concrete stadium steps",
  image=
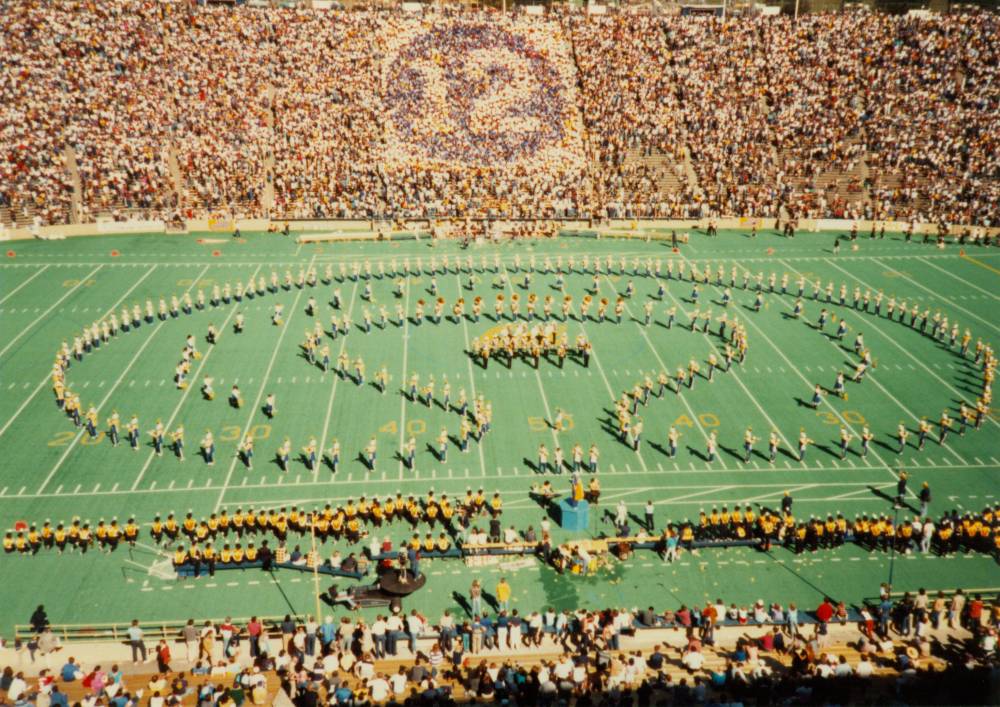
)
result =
(667, 176)
(836, 177)
(894, 180)
(73, 170)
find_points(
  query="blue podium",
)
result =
(571, 518)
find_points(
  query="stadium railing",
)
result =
(118, 631)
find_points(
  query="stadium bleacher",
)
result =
(300, 113)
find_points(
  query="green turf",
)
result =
(50, 472)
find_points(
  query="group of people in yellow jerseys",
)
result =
(521, 341)
(350, 521)
(76, 535)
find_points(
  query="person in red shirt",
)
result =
(254, 630)
(974, 611)
(163, 657)
(825, 612)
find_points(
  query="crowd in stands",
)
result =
(493, 129)
(328, 115)
(369, 112)
(542, 657)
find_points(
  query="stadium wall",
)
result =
(622, 228)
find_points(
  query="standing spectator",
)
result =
(955, 608)
(414, 628)
(287, 631)
(207, 638)
(793, 620)
(925, 498)
(328, 632)
(254, 629)
(503, 595)
(476, 598)
(226, 632)
(163, 657)
(311, 628)
(189, 634)
(974, 614)
(136, 642)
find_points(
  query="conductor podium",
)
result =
(574, 518)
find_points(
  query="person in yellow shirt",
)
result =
(503, 594)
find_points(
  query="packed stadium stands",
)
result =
(154, 109)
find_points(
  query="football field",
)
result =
(54, 471)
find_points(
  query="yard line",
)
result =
(988, 323)
(809, 385)
(336, 381)
(792, 490)
(511, 481)
(663, 366)
(949, 274)
(907, 351)
(538, 377)
(849, 494)
(263, 383)
(468, 360)
(191, 386)
(18, 288)
(405, 374)
(48, 311)
(696, 490)
(701, 492)
(114, 387)
(701, 502)
(47, 378)
(788, 445)
(881, 387)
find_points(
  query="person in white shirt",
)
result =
(514, 638)
(379, 688)
(330, 664)
(865, 668)
(393, 627)
(364, 669)
(503, 636)
(18, 687)
(378, 636)
(398, 682)
(720, 608)
(563, 669)
(535, 627)
(414, 627)
(693, 660)
(927, 535)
